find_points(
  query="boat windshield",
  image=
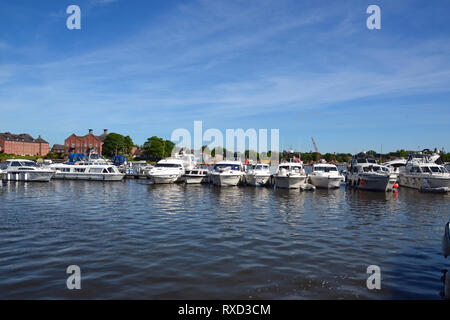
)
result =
(168, 165)
(325, 169)
(29, 164)
(22, 164)
(397, 165)
(419, 156)
(362, 160)
(436, 169)
(227, 165)
(375, 169)
(95, 156)
(261, 167)
(426, 170)
(287, 167)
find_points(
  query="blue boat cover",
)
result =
(118, 160)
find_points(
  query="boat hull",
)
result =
(290, 182)
(423, 182)
(325, 182)
(164, 179)
(88, 177)
(373, 182)
(225, 180)
(257, 180)
(33, 176)
(191, 179)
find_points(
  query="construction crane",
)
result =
(315, 147)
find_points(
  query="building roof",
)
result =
(23, 137)
(58, 146)
(100, 138)
(40, 140)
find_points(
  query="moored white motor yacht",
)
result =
(98, 159)
(140, 168)
(189, 160)
(168, 170)
(364, 173)
(258, 175)
(325, 175)
(24, 170)
(196, 176)
(421, 172)
(290, 175)
(395, 165)
(227, 173)
(87, 170)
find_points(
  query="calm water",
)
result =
(136, 240)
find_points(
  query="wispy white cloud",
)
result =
(219, 61)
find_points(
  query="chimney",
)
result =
(105, 131)
(90, 130)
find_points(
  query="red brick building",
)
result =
(85, 144)
(58, 148)
(23, 144)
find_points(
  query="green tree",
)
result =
(168, 147)
(157, 148)
(402, 153)
(128, 144)
(328, 157)
(371, 153)
(114, 144)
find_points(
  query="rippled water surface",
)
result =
(136, 240)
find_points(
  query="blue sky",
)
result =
(309, 68)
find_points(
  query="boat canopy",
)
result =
(419, 157)
(363, 157)
(119, 160)
(74, 157)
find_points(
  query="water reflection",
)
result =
(228, 199)
(203, 241)
(289, 200)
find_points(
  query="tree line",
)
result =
(154, 149)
